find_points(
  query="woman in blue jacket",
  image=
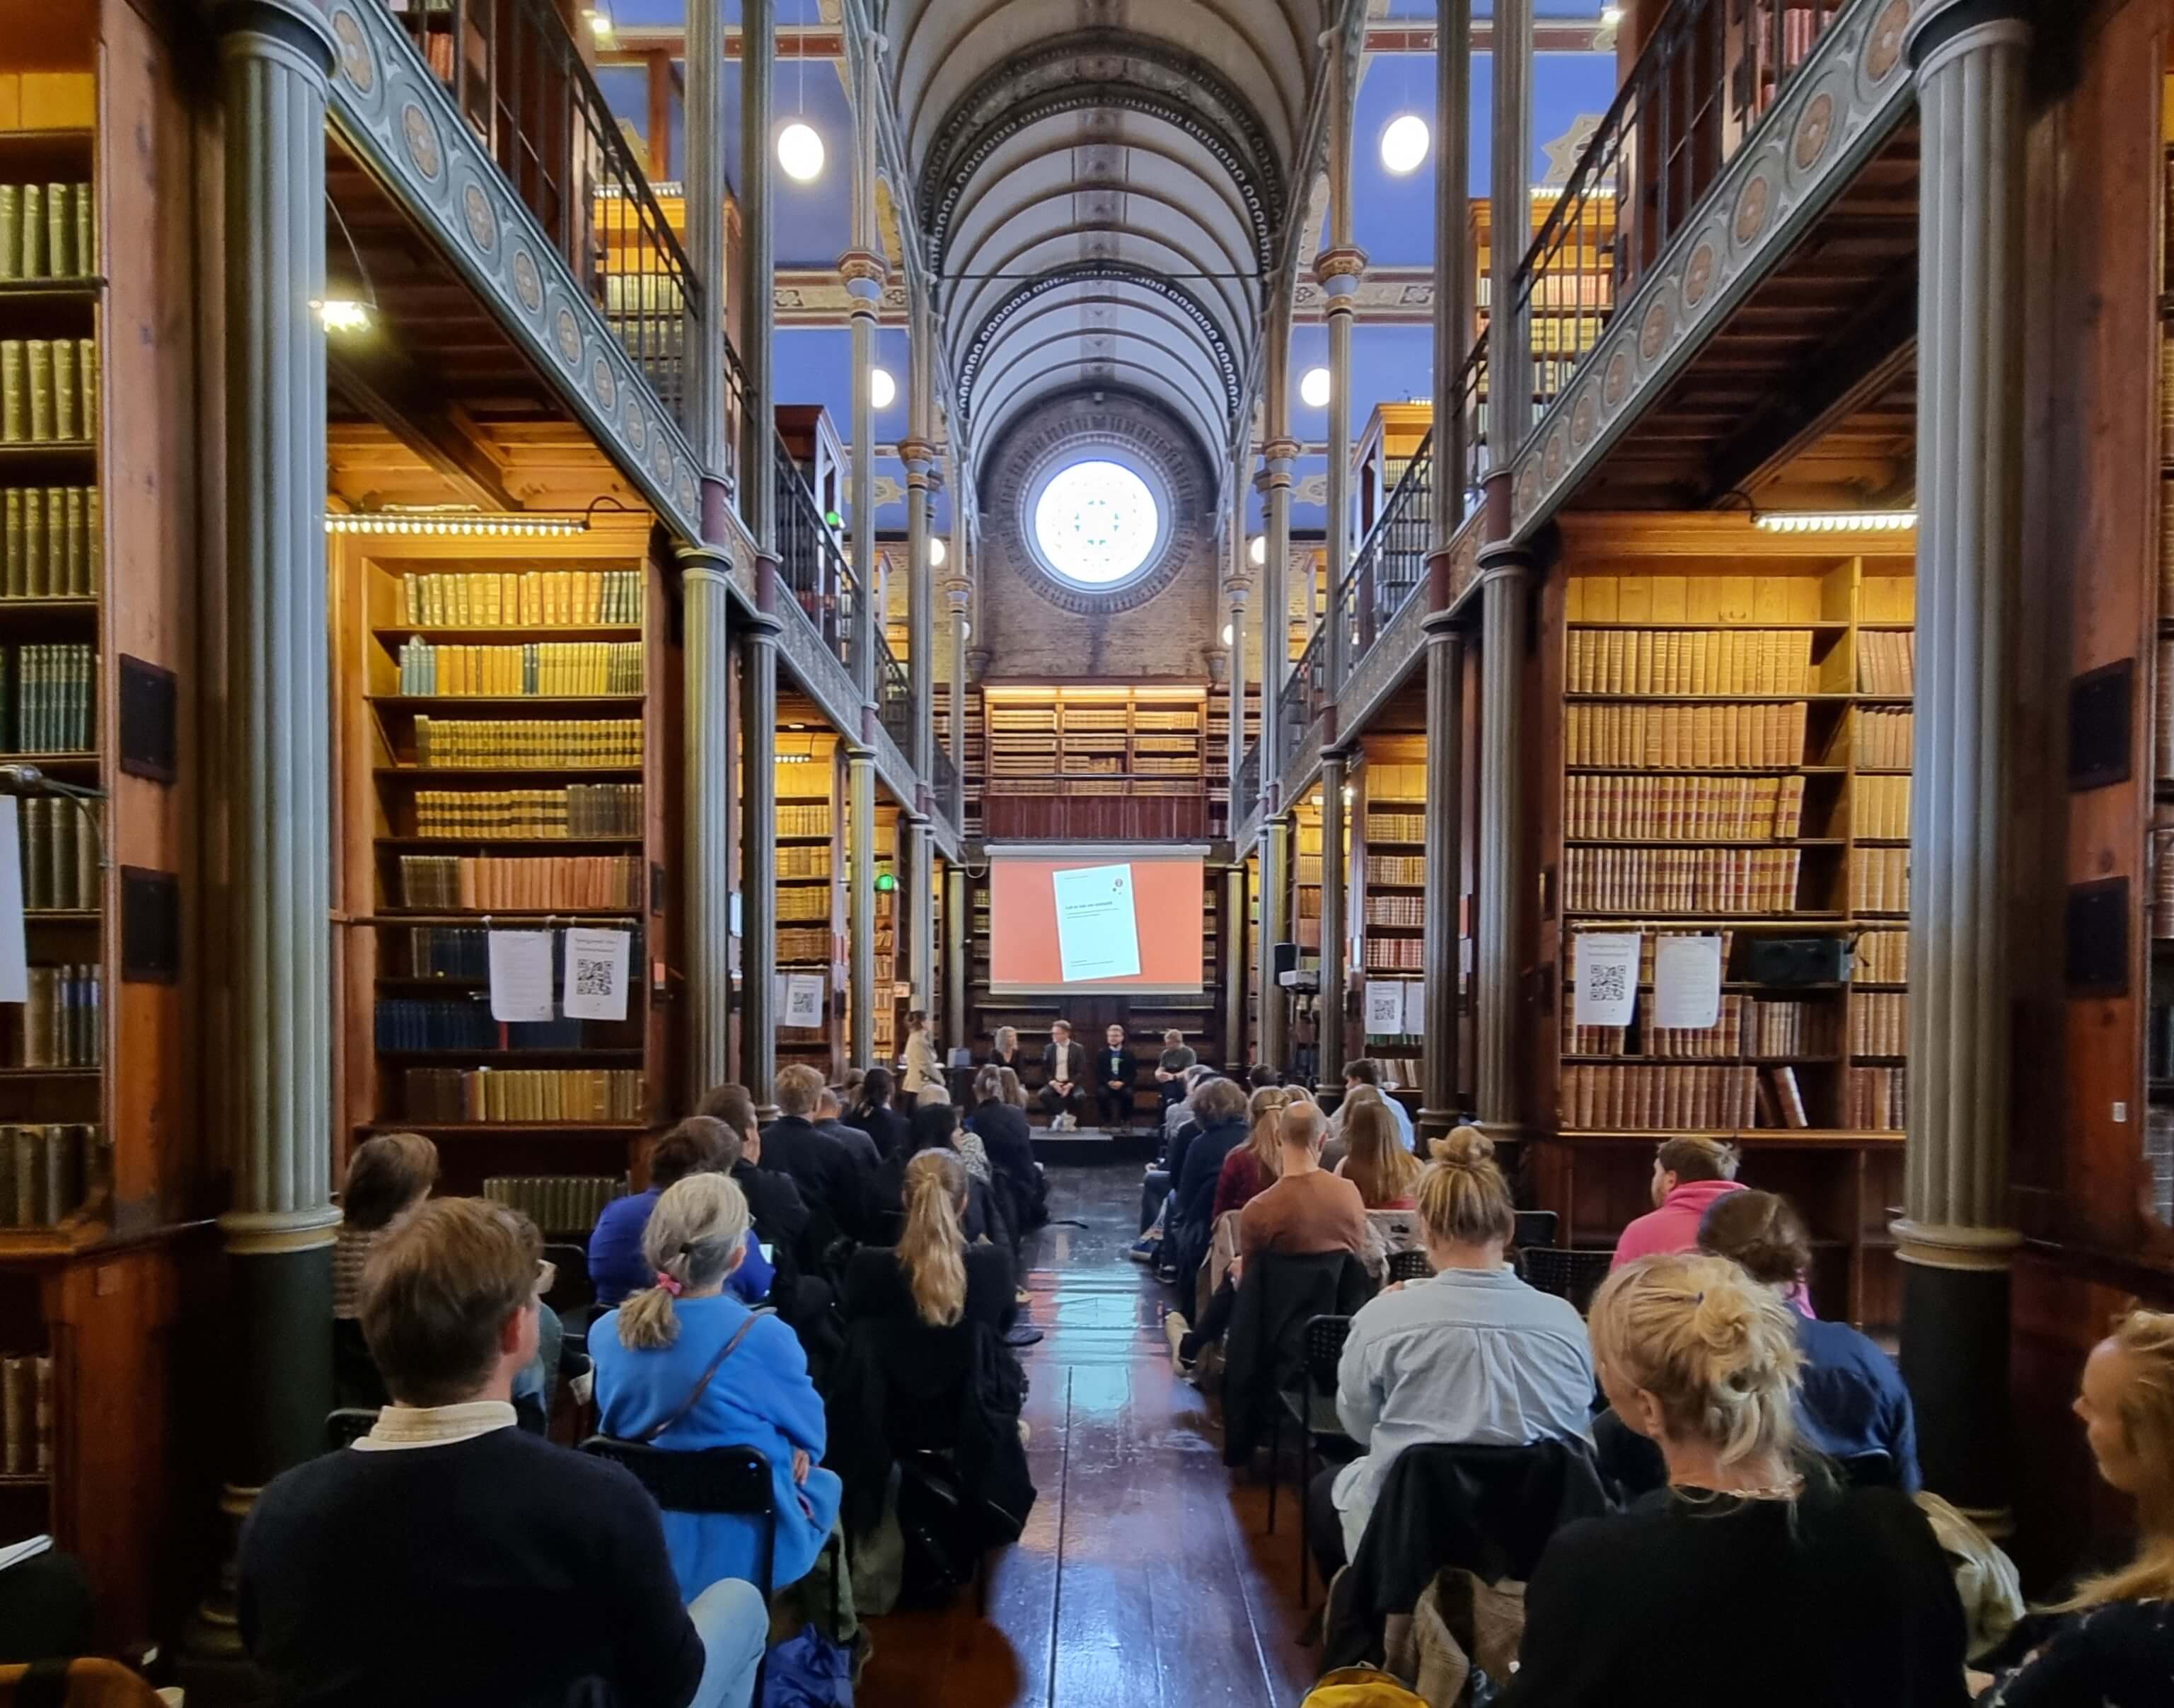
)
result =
(660, 1380)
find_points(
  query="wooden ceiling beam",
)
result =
(385, 388)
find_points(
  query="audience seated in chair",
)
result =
(876, 1115)
(1170, 1068)
(1004, 1048)
(1471, 1355)
(1851, 1404)
(1689, 1175)
(1807, 1593)
(1197, 1167)
(1004, 1133)
(935, 1128)
(830, 1183)
(1114, 1073)
(830, 1119)
(1356, 1098)
(1252, 1167)
(1063, 1096)
(1377, 1158)
(1364, 1075)
(1305, 1212)
(387, 1177)
(683, 1364)
(2111, 1642)
(700, 1144)
(448, 1558)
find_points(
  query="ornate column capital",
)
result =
(1236, 588)
(1337, 271)
(919, 456)
(1940, 30)
(1944, 1245)
(298, 26)
(1278, 457)
(705, 563)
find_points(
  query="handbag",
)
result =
(702, 1386)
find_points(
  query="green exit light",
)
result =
(885, 884)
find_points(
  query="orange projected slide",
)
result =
(1095, 921)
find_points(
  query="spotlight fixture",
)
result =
(342, 314)
(882, 389)
(1405, 140)
(1836, 520)
(937, 551)
(1258, 553)
(800, 152)
(1610, 16)
(469, 523)
(1313, 389)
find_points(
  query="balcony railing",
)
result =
(1392, 563)
(894, 697)
(810, 564)
(1304, 694)
(944, 785)
(1712, 68)
(1247, 794)
(521, 84)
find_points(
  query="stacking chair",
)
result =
(1573, 1274)
(706, 1479)
(1312, 1408)
(347, 1424)
(1409, 1266)
(1534, 1228)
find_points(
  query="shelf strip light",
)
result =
(509, 525)
(1836, 521)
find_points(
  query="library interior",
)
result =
(911, 851)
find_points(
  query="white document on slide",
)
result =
(1098, 935)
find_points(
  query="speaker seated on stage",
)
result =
(1114, 1068)
(1063, 1078)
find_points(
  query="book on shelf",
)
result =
(1689, 661)
(1747, 1026)
(1880, 807)
(463, 952)
(48, 697)
(1879, 880)
(1709, 599)
(51, 544)
(1788, 1098)
(1876, 1100)
(1882, 957)
(1883, 739)
(2160, 912)
(48, 1172)
(805, 861)
(60, 1026)
(61, 846)
(1383, 826)
(1405, 912)
(1680, 880)
(47, 231)
(566, 1205)
(48, 390)
(1684, 809)
(1640, 1100)
(1394, 868)
(1395, 954)
(576, 811)
(804, 902)
(1309, 869)
(463, 1096)
(805, 945)
(26, 1417)
(465, 1022)
(522, 599)
(1686, 738)
(1879, 1023)
(527, 743)
(802, 818)
(2162, 710)
(1887, 663)
(484, 881)
(538, 669)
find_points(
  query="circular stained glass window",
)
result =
(1096, 524)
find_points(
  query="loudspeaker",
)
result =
(1286, 959)
(1796, 960)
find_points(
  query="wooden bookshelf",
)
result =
(502, 747)
(1058, 758)
(811, 885)
(1732, 714)
(1387, 902)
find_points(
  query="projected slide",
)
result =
(1083, 917)
(1098, 936)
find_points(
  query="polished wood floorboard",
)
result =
(1147, 1574)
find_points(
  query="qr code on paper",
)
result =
(1608, 983)
(593, 978)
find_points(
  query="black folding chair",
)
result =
(1572, 1274)
(1874, 1468)
(345, 1425)
(1409, 1266)
(1534, 1228)
(1312, 1408)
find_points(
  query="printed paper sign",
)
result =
(14, 961)
(806, 996)
(1385, 1008)
(596, 974)
(520, 975)
(1415, 1007)
(1098, 936)
(1687, 982)
(1607, 978)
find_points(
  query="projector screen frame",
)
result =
(1072, 851)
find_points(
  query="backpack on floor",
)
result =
(1362, 1687)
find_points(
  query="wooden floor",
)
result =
(1146, 1575)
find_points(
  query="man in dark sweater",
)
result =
(1113, 1081)
(450, 1559)
(831, 1185)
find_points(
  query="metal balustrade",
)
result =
(1710, 70)
(894, 697)
(810, 564)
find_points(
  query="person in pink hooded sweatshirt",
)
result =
(1689, 1173)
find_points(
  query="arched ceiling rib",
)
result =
(1104, 187)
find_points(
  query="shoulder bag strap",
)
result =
(702, 1386)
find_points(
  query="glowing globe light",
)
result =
(800, 152)
(882, 388)
(1313, 389)
(1404, 143)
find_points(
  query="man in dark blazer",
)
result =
(1064, 1079)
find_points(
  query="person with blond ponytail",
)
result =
(683, 1364)
(932, 1278)
(1755, 1576)
(2111, 1642)
(1257, 1164)
(1470, 1356)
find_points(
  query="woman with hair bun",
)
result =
(1754, 1576)
(1470, 1355)
(683, 1365)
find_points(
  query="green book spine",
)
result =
(38, 357)
(33, 544)
(33, 227)
(15, 393)
(65, 424)
(86, 385)
(75, 578)
(60, 230)
(14, 566)
(88, 738)
(11, 232)
(94, 528)
(86, 233)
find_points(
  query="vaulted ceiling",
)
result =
(1105, 187)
